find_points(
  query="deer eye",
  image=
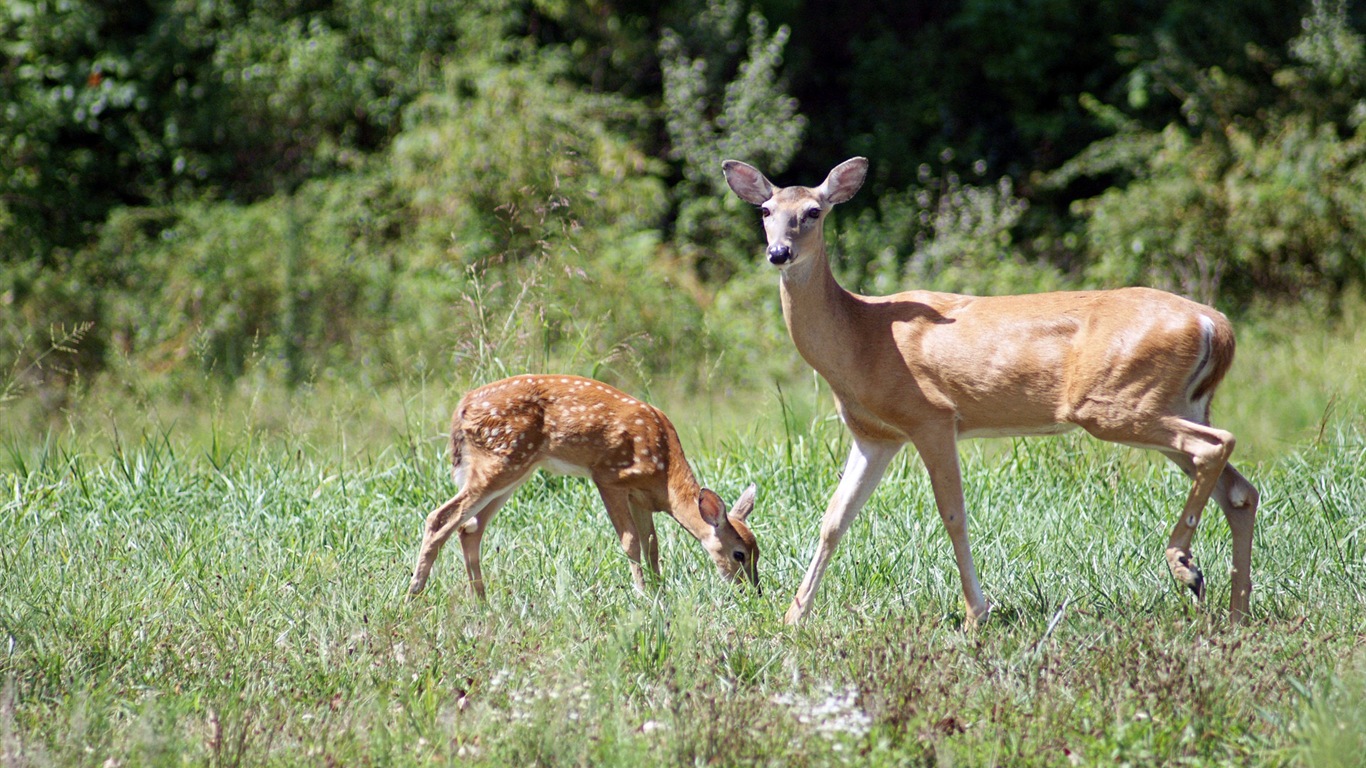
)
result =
(813, 214)
(739, 556)
(765, 212)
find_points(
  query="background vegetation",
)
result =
(252, 251)
(349, 190)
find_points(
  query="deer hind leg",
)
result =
(480, 489)
(618, 505)
(862, 472)
(1202, 451)
(472, 536)
(940, 455)
(1238, 499)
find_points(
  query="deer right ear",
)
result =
(712, 509)
(844, 180)
(747, 182)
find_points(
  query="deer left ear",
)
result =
(844, 180)
(712, 509)
(745, 504)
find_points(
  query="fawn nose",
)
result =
(779, 254)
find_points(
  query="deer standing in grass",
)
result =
(503, 431)
(1134, 366)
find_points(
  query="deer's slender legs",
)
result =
(649, 541)
(481, 488)
(1238, 499)
(867, 462)
(1202, 452)
(618, 505)
(938, 449)
(472, 536)
(441, 523)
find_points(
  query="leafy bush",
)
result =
(1245, 199)
(505, 163)
(711, 118)
(941, 234)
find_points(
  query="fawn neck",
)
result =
(683, 490)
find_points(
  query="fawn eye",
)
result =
(739, 556)
(813, 214)
(765, 212)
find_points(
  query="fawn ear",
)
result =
(844, 180)
(745, 504)
(712, 508)
(747, 182)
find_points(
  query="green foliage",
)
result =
(1245, 200)
(899, 83)
(1333, 729)
(941, 234)
(710, 119)
(242, 601)
(506, 163)
(752, 118)
(320, 190)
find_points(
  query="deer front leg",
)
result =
(867, 462)
(938, 449)
(619, 510)
(649, 541)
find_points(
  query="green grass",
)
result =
(215, 575)
(239, 601)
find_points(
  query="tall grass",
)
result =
(219, 578)
(239, 601)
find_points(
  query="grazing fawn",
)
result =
(503, 431)
(1134, 366)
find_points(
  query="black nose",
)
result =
(779, 254)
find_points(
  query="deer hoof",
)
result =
(1197, 583)
(1186, 572)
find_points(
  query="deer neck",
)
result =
(683, 492)
(817, 310)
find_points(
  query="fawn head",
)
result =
(732, 546)
(793, 216)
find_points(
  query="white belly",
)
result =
(1045, 429)
(565, 468)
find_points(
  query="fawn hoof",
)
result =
(794, 613)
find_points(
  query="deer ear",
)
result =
(712, 509)
(844, 180)
(745, 504)
(747, 182)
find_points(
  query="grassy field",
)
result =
(220, 580)
(239, 601)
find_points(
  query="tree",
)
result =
(1256, 192)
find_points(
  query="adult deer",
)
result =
(1134, 366)
(503, 431)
